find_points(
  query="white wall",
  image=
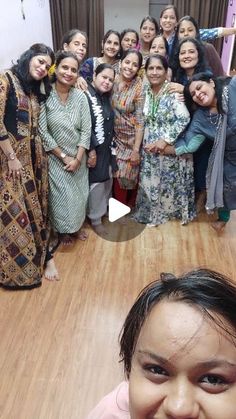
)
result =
(17, 34)
(122, 14)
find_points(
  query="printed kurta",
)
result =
(127, 103)
(67, 126)
(166, 187)
(23, 202)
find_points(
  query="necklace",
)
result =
(214, 118)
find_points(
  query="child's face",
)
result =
(183, 367)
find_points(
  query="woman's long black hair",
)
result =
(21, 70)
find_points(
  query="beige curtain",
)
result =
(86, 15)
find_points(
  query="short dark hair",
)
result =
(210, 292)
(102, 67)
(69, 35)
(21, 70)
(160, 58)
(133, 51)
(151, 19)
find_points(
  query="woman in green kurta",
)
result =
(65, 126)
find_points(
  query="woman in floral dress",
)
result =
(166, 188)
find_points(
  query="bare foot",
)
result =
(100, 229)
(200, 201)
(51, 272)
(65, 239)
(82, 235)
(218, 225)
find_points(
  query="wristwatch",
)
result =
(11, 156)
(62, 155)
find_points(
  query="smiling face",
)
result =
(67, 71)
(78, 45)
(186, 29)
(39, 66)
(183, 367)
(156, 73)
(129, 66)
(129, 41)
(203, 93)
(111, 46)
(103, 82)
(188, 56)
(168, 21)
(147, 32)
(158, 46)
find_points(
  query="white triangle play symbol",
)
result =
(117, 210)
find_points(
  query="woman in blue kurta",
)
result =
(214, 120)
(166, 189)
(65, 127)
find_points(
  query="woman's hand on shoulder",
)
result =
(81, 83)
(175, 88)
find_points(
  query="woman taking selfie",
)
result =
(178, 346)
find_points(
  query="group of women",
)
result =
(109, 124)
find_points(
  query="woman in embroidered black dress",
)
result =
(101, 161)
(23, 170)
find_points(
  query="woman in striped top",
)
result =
(65, 127)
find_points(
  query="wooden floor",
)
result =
(58, 343)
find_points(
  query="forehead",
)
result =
(131, 57)
(112, 37)
(155, 62)
(107, 72)
(169, 13)
(198, 83)
(70, 61)
(176, 329)
(130, 35)
(149, 24)
(188, 45)
(186, 24)
(158, 41)
(43, 57)
(79, 37)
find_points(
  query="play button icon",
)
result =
(117, 210)
(119, 225)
